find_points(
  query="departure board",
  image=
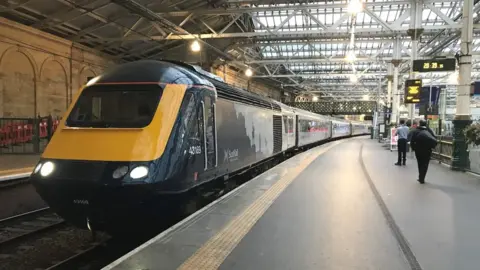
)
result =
(434, 65)
(412, 91)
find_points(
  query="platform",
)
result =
(343, 205)
(16, 166)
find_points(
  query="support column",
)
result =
(396, 96)
(411, 107)
(388, 101)
(414, 32)
(389, 84)
(460, 159)
(395, 105)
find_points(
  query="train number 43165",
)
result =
(195, 150)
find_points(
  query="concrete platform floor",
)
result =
(343, 207)
(439, 219)
(14, 164)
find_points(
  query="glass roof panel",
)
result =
(366, 46)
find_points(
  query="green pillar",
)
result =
(460, 159)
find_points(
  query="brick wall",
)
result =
(40, 72)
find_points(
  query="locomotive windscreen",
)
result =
(115, 106)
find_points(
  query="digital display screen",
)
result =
(432, 65)
(412, 91)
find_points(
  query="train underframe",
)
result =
(134, 208)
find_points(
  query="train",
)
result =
(145, 133)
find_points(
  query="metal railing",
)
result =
(443, 152)
(26, 135)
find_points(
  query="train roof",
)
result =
(312, 114)
(152, 71)
(175, 72)
(284, 107)
(230, 92)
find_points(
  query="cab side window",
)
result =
(209, 129)
(191, 120)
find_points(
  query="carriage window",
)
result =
(285, 124)
(290, 125)
(304, 125)
(115, 106)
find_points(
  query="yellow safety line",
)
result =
(212, 254)
(12, 171)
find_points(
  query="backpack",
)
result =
(427, 139)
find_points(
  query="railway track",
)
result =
(98, 255)
(40, 239)
(14, 181)
(19, 227)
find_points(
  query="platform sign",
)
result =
(412, 91)
(393, 138)
(434, 65)
(382, 128)
(430, 95)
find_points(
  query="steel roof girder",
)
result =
(329, 31)
(236, 10)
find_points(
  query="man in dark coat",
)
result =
(422, 141)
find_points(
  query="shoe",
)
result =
(421, 182)
(398, 164)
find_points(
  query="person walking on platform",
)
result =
(422, 141)
(402, 133)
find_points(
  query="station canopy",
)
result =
(335, 50)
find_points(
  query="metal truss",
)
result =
(299, 46)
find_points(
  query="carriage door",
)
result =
(210, 132)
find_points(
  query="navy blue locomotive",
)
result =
(147, 132)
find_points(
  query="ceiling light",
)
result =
(355, 6)
(315, 99)
(195, 47)
(248, 72)
(365, 97)
(350, 57)
(353, 78)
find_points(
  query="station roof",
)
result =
(299, 45)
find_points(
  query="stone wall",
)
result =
(39, 72)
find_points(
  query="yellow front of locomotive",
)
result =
(105, 152)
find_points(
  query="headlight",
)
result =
(120, 172)
(139, 172)
(47, 169)
(37, 168)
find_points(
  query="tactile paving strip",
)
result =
(212, 254)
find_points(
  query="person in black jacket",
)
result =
(422, 141)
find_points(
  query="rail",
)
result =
(443, 152)
(15, 229)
